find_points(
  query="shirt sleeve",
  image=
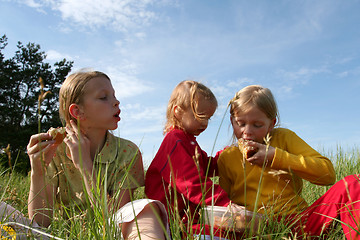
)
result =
(297, 156)
(191, 180)
(210, 163)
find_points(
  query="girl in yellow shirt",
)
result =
(274, 161)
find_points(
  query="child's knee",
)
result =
(151, 210)
(351, 181)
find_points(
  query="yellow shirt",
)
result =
(116, 158)
(280, 190)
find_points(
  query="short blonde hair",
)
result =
(254, 95)
(73, 90)
(185, 95)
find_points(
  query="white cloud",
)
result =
(352, 73)
(54, 55)
(345, 60)
(140, 35)
(119, 15)
(239, 83)
(343, 74)
(142, 130)
(32, 3)
(138, 112)
(125, 82)
(128, 86)
(226, 91)
(302, 75)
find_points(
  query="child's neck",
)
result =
(97, 141)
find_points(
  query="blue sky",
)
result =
(307, 52)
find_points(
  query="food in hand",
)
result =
(58, 134)
(245, 149)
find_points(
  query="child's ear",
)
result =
(76, 112)
(231, 120)
(177, 112)
(273, 122)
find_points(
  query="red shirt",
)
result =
(174, 167)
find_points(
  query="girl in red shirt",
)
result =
(179, 175)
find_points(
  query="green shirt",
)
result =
(119, 165)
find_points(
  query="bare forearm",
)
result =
(40, 201)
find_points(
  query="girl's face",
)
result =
(100, 108)
(190, 123)
(252, 125)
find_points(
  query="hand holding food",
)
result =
(41, 149)
(58, 134)
(245, 149)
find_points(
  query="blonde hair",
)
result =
(73, 90)
(254, 95)
(185, 95)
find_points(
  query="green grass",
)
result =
(14, 189)
(94, 224)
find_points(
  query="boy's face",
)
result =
(191, 124)
(252, 125)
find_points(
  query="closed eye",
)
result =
(240, 124)
(258, 124)
(202, 117)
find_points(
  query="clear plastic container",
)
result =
(222, 217)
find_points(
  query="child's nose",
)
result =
(247, 130)
(116, 102)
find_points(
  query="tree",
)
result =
(20, 116)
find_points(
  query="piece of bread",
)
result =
(58, 134)
(246, 150)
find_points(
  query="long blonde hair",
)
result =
(73, 90)
(255, 95)
(184, 95)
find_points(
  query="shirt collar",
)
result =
(109, 151)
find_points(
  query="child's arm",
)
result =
(307, 164)
(290, 152)
(119, 199)
(41, 149)
(211, 163)
(79, 146)
(192, 182)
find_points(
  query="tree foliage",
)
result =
(20, 115)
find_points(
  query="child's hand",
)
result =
(247, 150)
(41, 149)
(77, 141)
(262, 155)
